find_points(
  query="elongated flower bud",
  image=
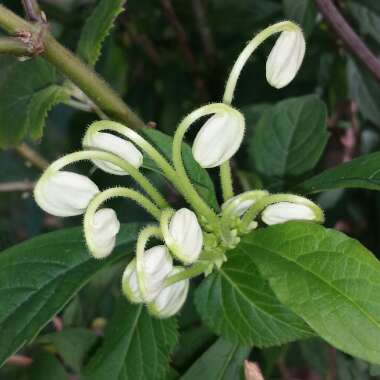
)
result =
(156, 265)
(116, 145)
(285, 58)
(64, 193)
(170, 300)
(218, 140)
(239, 206)
(130, 284)
(102, 232)
(285, 211)
(185, 237)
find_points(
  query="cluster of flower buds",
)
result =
(194, 242)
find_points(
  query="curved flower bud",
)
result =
(64, 193)
(285, 58)
(219, 139)
(285, 211)
(130, 284)
(102, 231)
(184, 237)
(116, 145)
(170, 300)
(156, 265)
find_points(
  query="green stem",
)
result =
(71, 66)
(105, 195)
(189, 192)
(264, 202)
(226, 181)
(191, 272)
(109, 157)
(9, 45)
(247, 52)
(144, 236)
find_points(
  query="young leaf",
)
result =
(47, 367)
(222, 361)
(38, 277)
(72, 344)
(362, 172)
(238, 303)
(136, 346)
(289, 139)
(39, 106)
(328, 279)
(23, 87)
(198, 176)
(97, 28)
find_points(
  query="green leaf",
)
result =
(39, 106)
(289, 140)
(136, 346)
(238, 304)
(97, 28)
(198, 176)
(47, 367)
(327, 278)
(370, 4)
(72, 344)
(222, 361)
(23, 87)
(38, 277)
(365, 91)
(362, 172)
(302, 12)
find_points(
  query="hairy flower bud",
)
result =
(64, 193)
(156, 265)
(239, 207)
(185, 238)
(116, 145)
(170, 300)
(130, 284)
(102, 232)
(285, 58)
(285, 211)
(218, 140)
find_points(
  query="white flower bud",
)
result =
(156, 266)
(185, 238)
(240, 207)
(285, 58)
(102, 231)
(65, 193)
(113, 144)
(170, 300)
(285, 211)
(130, 284)
(218, 140)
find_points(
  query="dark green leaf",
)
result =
(23, 87)
(39, 106)
(47, 367)
(369, 21)
(72, 344)
(97, 28)
(38, 277)
(328, 279)
(222, 361)
(198, 176)
(238, 303)
(136, 346)
(289, 139)
(362, 172)
(303, 12)
(370, 4)
(365, 91)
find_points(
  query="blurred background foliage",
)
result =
(165, 65)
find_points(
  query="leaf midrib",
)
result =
(370, 318)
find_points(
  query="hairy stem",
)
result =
(71, 66)
(9, 45)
